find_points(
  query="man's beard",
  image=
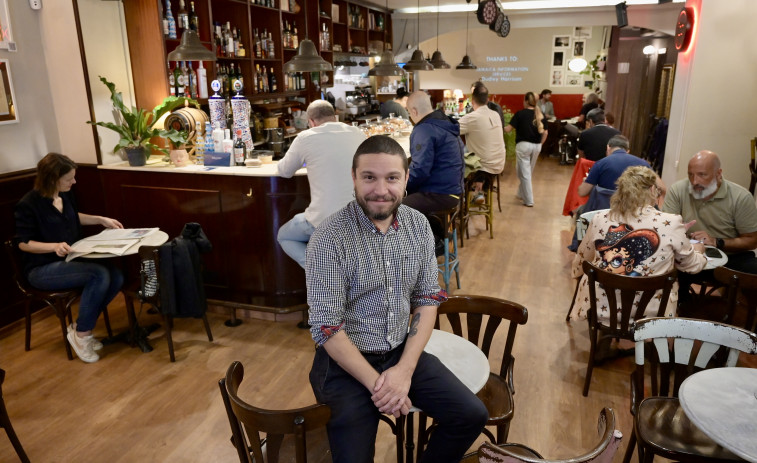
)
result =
(707, 191)
(378, 215)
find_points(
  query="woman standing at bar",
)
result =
(47, 224)
(530, 133)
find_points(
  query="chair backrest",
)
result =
(247, 422)
(681, 347)
(603, 452)
(599, 198)
(14, 255)
(629, 287)
(739, 284)
(479, 312)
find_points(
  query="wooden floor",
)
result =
(135, 407)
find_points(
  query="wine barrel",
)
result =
(184, 120)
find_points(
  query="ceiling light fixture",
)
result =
(577, 64)
(385, 63)
(191, 49)
(307, 58)
(436, 59)
(530, 5)
(466, 63)
(417, 61)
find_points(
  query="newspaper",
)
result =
(115, 241)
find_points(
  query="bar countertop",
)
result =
(156, 164)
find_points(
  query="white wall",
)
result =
(23, 144)
(715, 91)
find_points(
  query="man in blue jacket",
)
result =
(436, 170)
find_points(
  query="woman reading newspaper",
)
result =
(47, 224)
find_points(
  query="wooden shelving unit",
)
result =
(371, 26)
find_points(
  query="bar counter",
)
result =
(239, 208)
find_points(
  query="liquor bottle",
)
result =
(183, 16)
(185, 75)
(255, 87)
(199, 145)
(271, 54)
(171, 80)
(171, 21)
(218, 138)
(264, 44)
(274, 84)
(302, 81)
(229, 40)
(230, 80)
(264, 78)
(235, 40)
(240, 149)
(194, 21)
(295, 39)
(287, 39)
(242, 51)
(219, 47)
(165, 23)
(178, 80)
(193, 81)
(258, 48)
(208, 137)
(202, 82)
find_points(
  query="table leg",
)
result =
(136, 335)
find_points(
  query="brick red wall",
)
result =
(566, 105)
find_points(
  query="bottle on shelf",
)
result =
(230, 80)
(274, 84)
(271, 54)
(218, 40)
(295, 39)
(170, 20)
(194, 22)
(171, 80)
(218, 138)
(199, 144)
(255, 87)
(202, 81)
(229, 40)
(208, 145)
(193, 81)
(179, 80)
(183, 16)
(264, 44)
(240, 149)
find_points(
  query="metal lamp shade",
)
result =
(307, 59)
(466, 63)
(386, 67)
(191, 49)
(438, 61)
(418, 62)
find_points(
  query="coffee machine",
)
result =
(274, 139)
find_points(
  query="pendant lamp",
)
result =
(387, 66)
(307, 58)
(436, 59)
(466, 62)
(417, 61)
(191, 49)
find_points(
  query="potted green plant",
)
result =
(136, 126)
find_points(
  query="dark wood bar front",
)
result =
(240, 215)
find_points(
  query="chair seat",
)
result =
(497, 398)
(514, 449)
(681, 440)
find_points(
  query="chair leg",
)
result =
(106, 317)
(61, 313)
(573, 302)
(409, 441)
(169, 327)
(502, 431)
(5, 422)
(446, 273)
(28, 315)
(590, 367)
(499, 204)
(630, 448)
(207, 327)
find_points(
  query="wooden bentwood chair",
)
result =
(679, 347)
(619, 324)
(248, 421)
(602, 452)
(477, 319)
(60, 301)
(5, 423)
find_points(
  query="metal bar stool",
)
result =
(447, 221)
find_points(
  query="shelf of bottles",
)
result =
(185, 78)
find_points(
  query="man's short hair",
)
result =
(402, 93)
(320, 110)
(546, 91)
(421, 101)
(596, 115)
(480, 95)
(479, 85)
(380, 144)
(619, 141)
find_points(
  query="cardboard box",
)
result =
(217, 159)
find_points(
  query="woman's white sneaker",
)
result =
(83, 347)
(96, 345)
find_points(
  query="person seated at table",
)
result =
(47, 224)
(592, 144)
(485, 138)
(373, 293)
(397, 105)
(590, 101)
(436, 171)
(326, 148)
(633, 238)
(546, 106)
(605, 172)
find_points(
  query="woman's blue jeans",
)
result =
(101, 283)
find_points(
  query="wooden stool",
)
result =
(486, 209)
(447, 221)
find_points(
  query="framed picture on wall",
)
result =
(7, 98)
(556, 78)
(558, 57)
(578, 48)
(582, 32)
(573, 79)
(561, 41)
(6, 36)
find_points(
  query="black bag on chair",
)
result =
(182, 293)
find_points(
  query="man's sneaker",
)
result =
(479, 199)
(83, 347)
(96, 345)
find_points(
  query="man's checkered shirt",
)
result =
(365, 282)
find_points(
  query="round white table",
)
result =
(153, 239)
(722, 402)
